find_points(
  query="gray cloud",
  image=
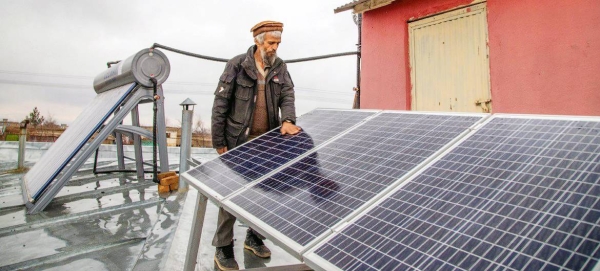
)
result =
(62, 45)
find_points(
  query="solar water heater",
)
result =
(119, 90)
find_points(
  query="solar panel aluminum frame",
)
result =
(217, 198)
(296, 249)
(84, 151)
(318, 263)
(204, 189)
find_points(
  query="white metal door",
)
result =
(449, 61)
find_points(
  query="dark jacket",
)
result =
(233, 107)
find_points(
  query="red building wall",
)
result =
(544, 58)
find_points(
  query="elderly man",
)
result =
(252, 90)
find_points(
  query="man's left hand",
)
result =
(288, 128)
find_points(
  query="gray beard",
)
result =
(266, 59)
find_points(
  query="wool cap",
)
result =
(266, 26)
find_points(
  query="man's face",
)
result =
(269, 47)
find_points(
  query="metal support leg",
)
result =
(195, 233)
(120, 154)
(163, 155)
(187, 117)
(137, 144)
(119, 143)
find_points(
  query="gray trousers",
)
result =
(224, 232)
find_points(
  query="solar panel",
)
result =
(72, 140)
(521, 193)
(228, 173)
(307, 198)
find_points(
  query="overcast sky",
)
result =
(50, 51)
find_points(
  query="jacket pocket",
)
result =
(233, 127)
(245, 89)
(277, 87)
(240, 106)
(233, 130)
(277, 84)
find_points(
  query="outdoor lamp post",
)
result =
(185, 146)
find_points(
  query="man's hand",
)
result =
(222, 150)
(288, 128)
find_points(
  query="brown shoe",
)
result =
(225, 259)
(256, 245)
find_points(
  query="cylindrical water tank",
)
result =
(146, 64)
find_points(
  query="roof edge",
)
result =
(349, 6)
(360, 6)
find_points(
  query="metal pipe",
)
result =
(22, 141)
(185, 146)
(156, 45)
(359, 60)
(5, 124)
(319, 57)
(155, 110)
(358, 21)
(110, 63)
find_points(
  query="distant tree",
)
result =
(173, 122)
(35, 118)
(50, 122)
(199, 127)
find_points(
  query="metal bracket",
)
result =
(484, 105)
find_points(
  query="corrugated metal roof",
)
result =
(349, 6)
(103, 222)
(107, 221)
(97, 222)
(359, 6)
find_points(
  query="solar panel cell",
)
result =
(343, 175)
(257, 158)
(516, 195)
